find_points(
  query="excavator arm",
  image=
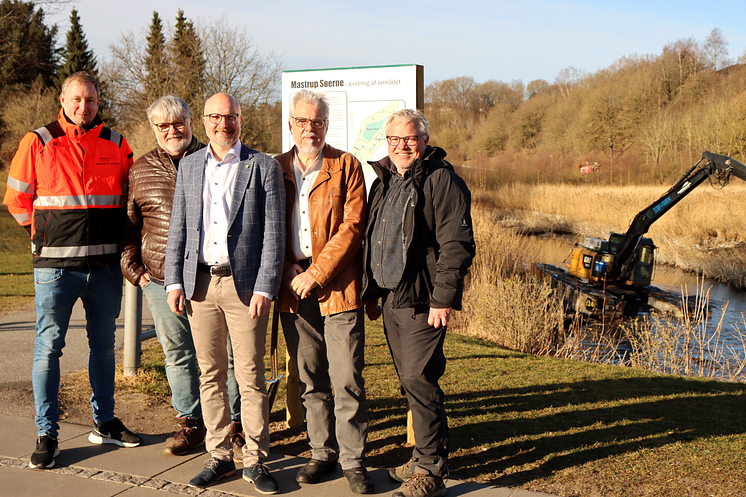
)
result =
(717, 167)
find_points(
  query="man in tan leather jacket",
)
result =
(321, 310)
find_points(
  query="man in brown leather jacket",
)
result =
(321, 310)
(152, 181)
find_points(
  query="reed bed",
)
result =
(507, 302)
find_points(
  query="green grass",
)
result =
(16, 271)
(551, 425)
(568, 427)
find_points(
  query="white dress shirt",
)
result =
(304, 181)
(217, 193)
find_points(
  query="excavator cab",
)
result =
(643, 265)
(643, 260)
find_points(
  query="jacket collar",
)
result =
(71, 128)
(331, 162)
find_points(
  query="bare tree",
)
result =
(535, 87)
(234, 65)
(661, 135)
(716, 50)
(568, 78)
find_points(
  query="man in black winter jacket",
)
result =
(419, 244)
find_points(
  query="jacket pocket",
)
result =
(338, 202)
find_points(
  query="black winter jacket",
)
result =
(439, 237)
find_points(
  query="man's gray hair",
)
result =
(409, 115)
(169, 107)
(81, 77)
(311, 98)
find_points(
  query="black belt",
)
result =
(215, 270)
(305, 263)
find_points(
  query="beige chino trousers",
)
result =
(215, 311)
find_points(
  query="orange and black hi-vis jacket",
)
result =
(70, 186)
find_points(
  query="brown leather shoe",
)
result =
(237, 440)
(191, 433)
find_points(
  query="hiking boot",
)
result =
(258, 474)
(402, 473)
(422, 485)
(46, 451)
(191, 432)
(113, 432)
(215, 469)
(237, 440)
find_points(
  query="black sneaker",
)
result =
(113, 432)
(46, 451)
(258, 474)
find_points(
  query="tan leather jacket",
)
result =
(337, 214)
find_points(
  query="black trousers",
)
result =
(417, 350)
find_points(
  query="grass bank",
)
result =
(560, 426)
(16, 271)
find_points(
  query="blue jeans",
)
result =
(175, 336)
(57, 290)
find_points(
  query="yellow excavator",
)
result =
(628, 258)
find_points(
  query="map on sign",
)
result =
(361, 99)
(367, 127)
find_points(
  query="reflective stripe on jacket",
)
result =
(70, 186)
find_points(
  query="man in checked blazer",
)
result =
(224, 258)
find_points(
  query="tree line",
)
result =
(188, 60)
(645, 118)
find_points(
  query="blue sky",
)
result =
(517, 40)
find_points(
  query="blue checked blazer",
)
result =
(256, 225)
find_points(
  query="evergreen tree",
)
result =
(27, 52)
(188, 62)
(158, 81)
(76, 56)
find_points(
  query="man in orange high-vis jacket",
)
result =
(67, 186)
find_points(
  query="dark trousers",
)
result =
(417, 350)
(329, 351)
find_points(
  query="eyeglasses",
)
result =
(216, 118)
(302, 122)
(409, 140)
(164, 127)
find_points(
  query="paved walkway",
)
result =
(84, 469)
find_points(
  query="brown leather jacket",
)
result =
(151, 194)
(337, 214)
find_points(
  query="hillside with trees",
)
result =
(643, 119)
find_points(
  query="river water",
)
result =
(725, 303)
